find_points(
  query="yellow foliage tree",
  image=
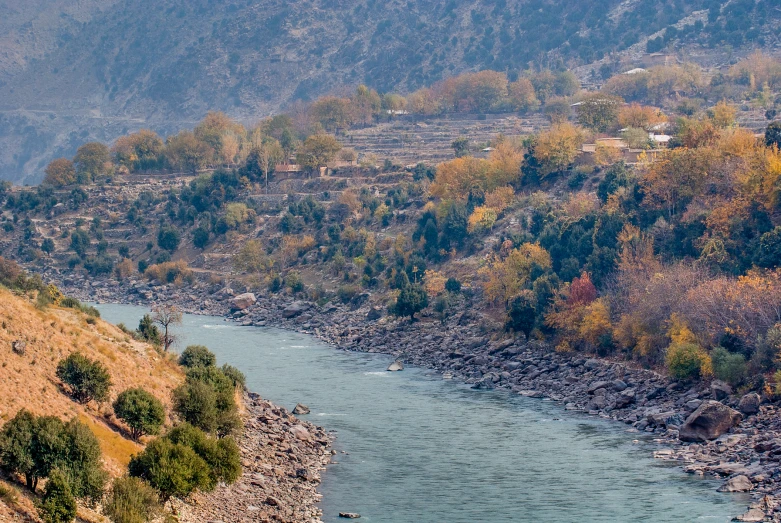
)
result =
(556, 148)
(506, 278)
(482, 218)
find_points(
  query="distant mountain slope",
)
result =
(164, 63)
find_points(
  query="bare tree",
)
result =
(167, 316)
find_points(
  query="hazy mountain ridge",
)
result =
(164, 64)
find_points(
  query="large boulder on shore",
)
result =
(749, 404)
(243, 301)
(709, 421)
(296, 308)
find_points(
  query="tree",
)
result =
(167, 316)
(555, 149)
(222, 455)
(138, 151)
(168, 238)
(185, 152)
(507, 277)
(58, 504)
(773, 134)
(172, 469)
(60, 172)
(768, 254)
(92, 160)
(676, 177)
(88, 379)
(317, 150)
(411, 300)
(521, 94)
(460, 147)
(196, 403)
(47, 245)
(364, 105)
(599, 111)
(723, 115)
(147, 330)
(141, 411)
(639, 116)
(197, 356)
(332, 112)
(80, 242)
(16, 452)
(131, 500)
(200, 237)
(522, 313)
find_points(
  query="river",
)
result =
(416, 448)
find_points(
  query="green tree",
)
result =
(141, 411)
(768, 254)
(197, 356)
(172, 469)
(522, 313)
(131, 500)
(80, 242)
(92, 161)
(599, 111)
(460, 147)
(58, 504)
(147, 330)
(87, 379)
(773, 134)
(196, 403)
(81, 461)
(222, 455)
(47, 245)
(168, 238)
(412, 299)
(16, 453)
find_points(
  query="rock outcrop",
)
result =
(709, 421)
(243, 301)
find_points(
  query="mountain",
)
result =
(73, 70)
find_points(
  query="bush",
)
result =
(346, 293)
(294, 281)
(86, 378)
(688, 361)
(453, 285)
(522, 314)
(235, 375)
(196, 403)
(34, 446)
(58, 504)
(172, 469)
(222, 455)
(141, 411)
(170, 272)
(131, 500)
(168, 239)
(197, 356)
(412, 299)
(727, 366)
(148, 331)
(223, 388)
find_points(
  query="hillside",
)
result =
(29, 380)
(72, 71)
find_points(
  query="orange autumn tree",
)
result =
(505, 278)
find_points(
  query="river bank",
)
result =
(282, 458)
(747, 457)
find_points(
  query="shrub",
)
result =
(222, 455)
(170, 272)
(688, 361)
(141, 411)
(294, 281)
(195, 401)
(727, 366)
(412, 299)
(235, 375)
(346, 293)
(168, 238)
(522, 314)
(58, 504)
(86, 378)
(453, 285)
(131, 500)
(148, 331)
(172, 469)
(197, 356)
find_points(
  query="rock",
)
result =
(720, 390)
(737, 484)
(598, 385)
(243, 301)
(375, 313)
(300, 432)
(754, 515)
(19, 347)
(626, 397)
(295, 308)
(749, 404)
(395, 366)
(349, 515)
(300, 409)
(709, 421)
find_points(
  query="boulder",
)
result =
(19, 347)
(749, 404)
(598, 385)
(709, 421)
(300, 432)
(295, 308)
(375, 313)
(720, 390)
(349, 515)
(737, 484)
(243, 301)
(626, 397)
(300, 409)
(753, 515)
(395, 366)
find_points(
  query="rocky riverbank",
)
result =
(704, 427)
(282, 458)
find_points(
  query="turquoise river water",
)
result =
(414, 448)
